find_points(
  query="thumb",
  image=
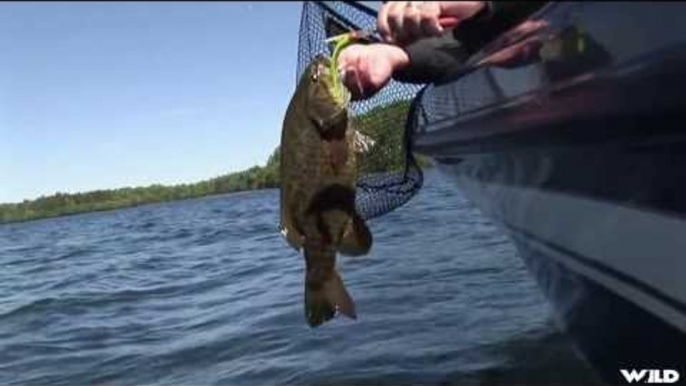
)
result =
(459, 10)
(352, 82)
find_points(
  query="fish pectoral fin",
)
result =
(362, 143)
(293, 238)
(330, 121)
(357, 239)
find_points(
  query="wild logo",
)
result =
(650, 375)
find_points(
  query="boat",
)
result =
(578, 152)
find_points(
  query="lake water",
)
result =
(206, 292)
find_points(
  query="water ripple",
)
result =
(205, 291)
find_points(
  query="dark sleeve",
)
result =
(434, 59)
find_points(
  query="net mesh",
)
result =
(389, 175)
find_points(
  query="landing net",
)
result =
(389, 173)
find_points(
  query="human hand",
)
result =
(519, 54)
(403, 22)
(525, 51)
(368, 68)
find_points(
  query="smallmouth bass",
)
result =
(318, 182)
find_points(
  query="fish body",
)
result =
(318, 181)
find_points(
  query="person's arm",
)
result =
(436, 58)
(432, 59)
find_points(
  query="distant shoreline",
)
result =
(73, 214)
(385, 124)
(62, 204)
(4, 219)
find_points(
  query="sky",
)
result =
(100, 95)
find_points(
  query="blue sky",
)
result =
(111, 94)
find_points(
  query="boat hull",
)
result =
(617, 320)
(581, 158)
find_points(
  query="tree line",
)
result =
(60, 204)
(383, 125)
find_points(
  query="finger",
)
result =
(379, 75)
(448, 22)
(411, 23)
(353, 84)
(523, 30)
(345, 57)
(459, 9)
(382, 21)
(428, 15)
(395, 19)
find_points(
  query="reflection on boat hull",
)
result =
(584, 170)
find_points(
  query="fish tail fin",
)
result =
(322, 299)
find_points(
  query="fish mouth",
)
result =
(343, 96)
(338, 91)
